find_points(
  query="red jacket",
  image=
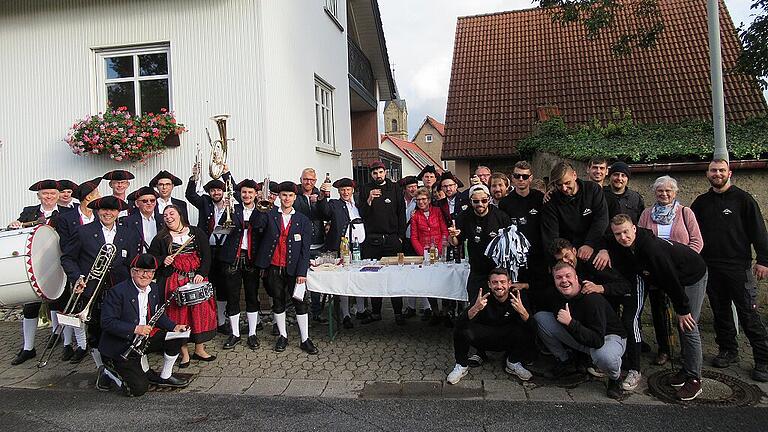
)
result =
(424, 230)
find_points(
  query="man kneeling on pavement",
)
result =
(126, 311)
(498, 321)
(586, 323)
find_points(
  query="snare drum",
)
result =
(192, 294)
(30, 266)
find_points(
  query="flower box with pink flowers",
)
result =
(122, 136)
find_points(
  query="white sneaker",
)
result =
(457, 374)
(631, 380)
(518, 370)
(596, 372)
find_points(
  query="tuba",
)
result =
(264, 204)
(218, 147)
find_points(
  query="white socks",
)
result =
(425, 303)
(168, 362)
(221, 312)
(234, 322)
(360, 303)
(344, 306)
(97, 358)
(29, 328)
(144, 363)
(80, 337)
(253, 320)
(280, 320)
(410, 302)
(303, 322)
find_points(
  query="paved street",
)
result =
(379, 361)
(85, 411)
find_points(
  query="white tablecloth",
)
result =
(439, 280)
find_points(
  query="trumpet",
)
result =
(264, 204)
(228, 224)
(218, 147)
(198, 162)
(97, 273)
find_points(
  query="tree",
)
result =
(754, 57)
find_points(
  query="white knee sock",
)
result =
(54, 321)
(344, 306)
(360, 303)
(168, 362)
(253, 320)
(303, 322)
(29, 328)
(234, 321)
(280, 320)
(410, 302)
(67, 332)
(97, 358)
(112, 376)
(144, 363)
(425, 303)
(80, 337)
(221, 312)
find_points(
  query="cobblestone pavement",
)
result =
(380, 360)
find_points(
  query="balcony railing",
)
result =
(360, 67)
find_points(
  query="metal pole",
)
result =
(716, 74)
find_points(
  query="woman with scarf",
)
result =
(670, 220)
(185, 257)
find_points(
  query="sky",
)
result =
(420, 35)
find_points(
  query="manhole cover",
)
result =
(717, 390)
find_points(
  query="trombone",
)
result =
(97, 273)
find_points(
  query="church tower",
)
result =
(396, 119)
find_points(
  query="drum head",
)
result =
(44, 263)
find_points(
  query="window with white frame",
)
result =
(324, 121)
(333, 7)
(428, 138)
(138, 78)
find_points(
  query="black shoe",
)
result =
(53, 342)
(562, 369)
(362, 315)
(172, 381)
(78, 355)
(725, 358)
(281, 343)
(275, 331)
(210, 358)
(347, 323)
(253, 342)
(399, 319)
(23, 356)
(614, 389)
(760, 372)
(67, 353)
(448, 321)
(232, 340)
(426, 315)
(184, 365)
(371, 318)
(644, 347)
(103, 382)
(223, 329)
(153, 377)
(320, 319)
(409, 312)
(259, 326)
(309, 347)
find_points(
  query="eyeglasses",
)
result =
(521, 176)
(143, 271)
(484, 201)
(147, 201)
(448, 185)
(164, 184)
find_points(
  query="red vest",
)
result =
(280, 257)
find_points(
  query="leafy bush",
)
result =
(620, 138)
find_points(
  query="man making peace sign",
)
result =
(498, 321)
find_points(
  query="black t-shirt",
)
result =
(525, 213)
(478, 231)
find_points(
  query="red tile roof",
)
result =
(508, 64)
(413, 152)
(437, 125)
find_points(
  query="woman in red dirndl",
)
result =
(190, 265)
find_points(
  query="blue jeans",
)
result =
(556, 337)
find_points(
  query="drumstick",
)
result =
(183, 245)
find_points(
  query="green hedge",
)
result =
(620, 138)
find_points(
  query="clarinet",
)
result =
(139, 344)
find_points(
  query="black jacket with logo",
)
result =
(582, 219)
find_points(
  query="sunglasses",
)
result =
(484, 201)
(147, 201)
(521, 176)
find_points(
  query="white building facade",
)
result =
(279, 68)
